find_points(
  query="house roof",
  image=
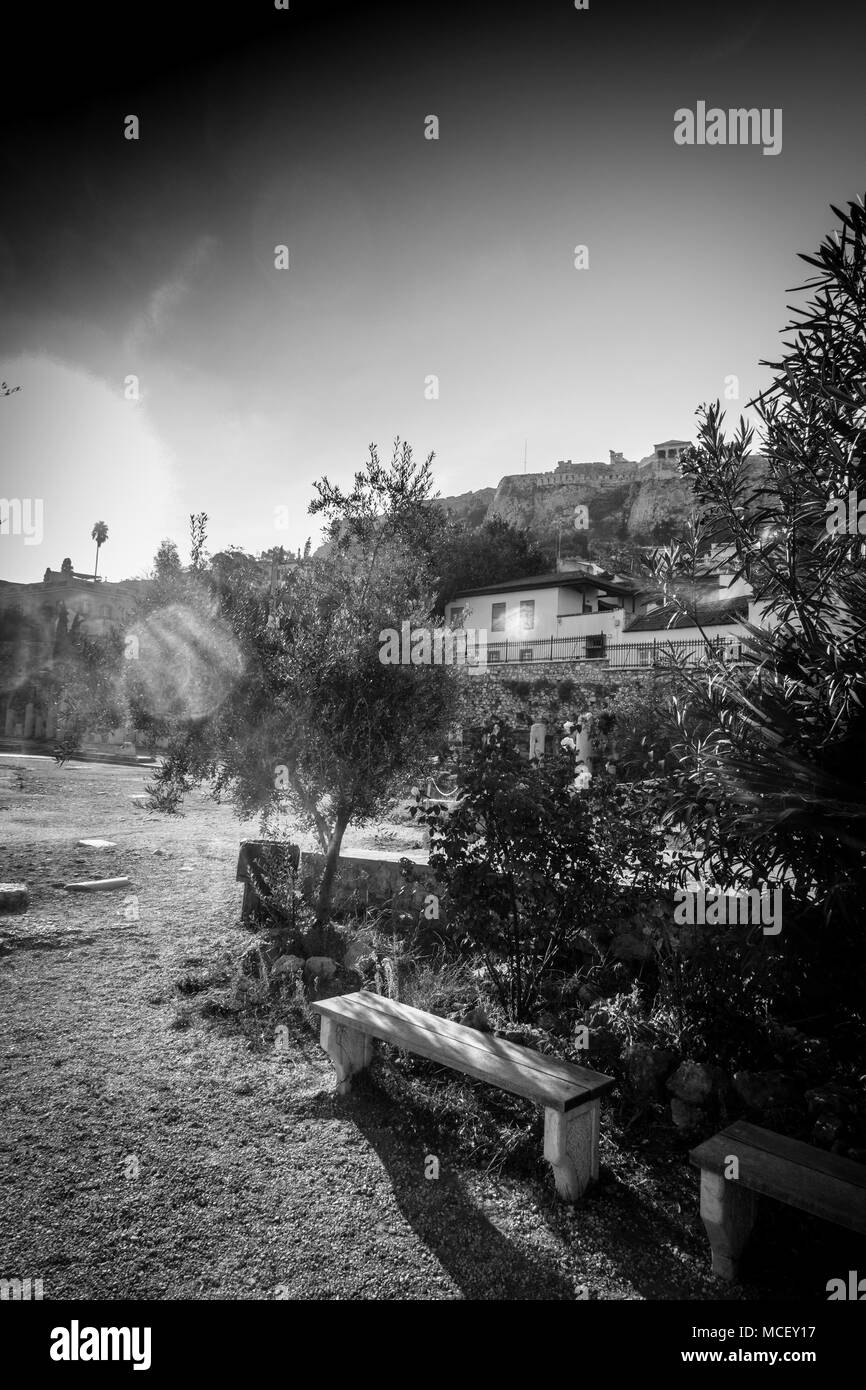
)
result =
(707, 613)
(563, 579)
(672, 443)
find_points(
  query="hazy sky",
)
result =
(408, 257)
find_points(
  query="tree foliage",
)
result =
(315, 723)
(469, 559)
(537, 871)
(773, 753)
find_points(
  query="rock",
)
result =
(695, 1083)
(827, 1130)
(98, 844)
(14, 897)
(646, 1068)
(319, 968)
(476, 1018)
(95, 885)
(361, 945)
(686, 1117)
(767, 1092)
(587, 994)
(605, 1047)
(628, 945)
(822, 1098)
(288, 965)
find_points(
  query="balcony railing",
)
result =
(622, 655)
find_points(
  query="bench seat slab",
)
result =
(822, 1184)
(569, 1094)
(547, 1080)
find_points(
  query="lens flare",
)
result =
(189, 661)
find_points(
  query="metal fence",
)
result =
(621, 655)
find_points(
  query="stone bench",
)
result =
(770, 1165)
(570, 1094)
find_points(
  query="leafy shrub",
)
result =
(166, 791)
(636, 726)
(771, 754)
(522, 869)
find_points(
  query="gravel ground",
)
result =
(149, 1152)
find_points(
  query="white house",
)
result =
(560, 616)
(715, 618)
(590, 615)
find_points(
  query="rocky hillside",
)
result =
(640, 510)
(471, 507)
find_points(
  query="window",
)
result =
(105, 611)
(527, 654)
(456, 614)
(527, 614)
(497, 617)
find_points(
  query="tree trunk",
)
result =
(332, 857)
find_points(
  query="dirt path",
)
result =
(147, 1156)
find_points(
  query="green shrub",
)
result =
(520, 863)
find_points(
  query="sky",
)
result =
(147, 267)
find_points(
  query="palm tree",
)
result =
(100, 535)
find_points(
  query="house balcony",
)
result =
(595, 648)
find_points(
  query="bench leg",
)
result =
(571, 1147)
(728, 1212)
(349, 1050)
(248, 902)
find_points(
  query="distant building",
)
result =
(662, 463)
(31, 616)
(100, 604)
(671, 450)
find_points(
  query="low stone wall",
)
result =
(372, 879)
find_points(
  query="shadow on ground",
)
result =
(482, 1261)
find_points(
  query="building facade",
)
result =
(590, 615)
(33, 618)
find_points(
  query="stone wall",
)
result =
(548, 694)
(374, 878)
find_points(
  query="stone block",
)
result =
(14, 897)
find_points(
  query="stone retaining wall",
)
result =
(546, 694)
